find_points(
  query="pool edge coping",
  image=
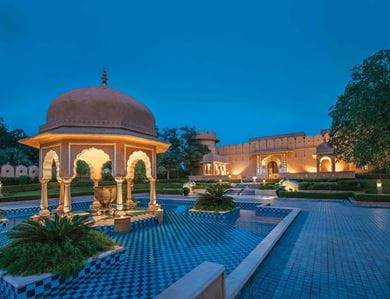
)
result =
(237, 279)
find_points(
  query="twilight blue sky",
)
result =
(240, 68)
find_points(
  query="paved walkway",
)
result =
(332, 250)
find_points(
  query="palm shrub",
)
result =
(214, 199)
(59, 245)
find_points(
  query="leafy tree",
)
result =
(170, 160)
(13, 152)
(192, 150)
(184, 154)
(139, 171)
(360, 131)
(82, 168)
(14, 156)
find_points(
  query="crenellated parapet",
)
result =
(283, 142)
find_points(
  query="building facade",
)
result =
(293, 155)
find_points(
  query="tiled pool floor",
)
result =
(159, 255)
(332, 250)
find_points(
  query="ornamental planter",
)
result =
(218, 215)
(17, 287)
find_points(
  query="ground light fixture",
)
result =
(379, 186)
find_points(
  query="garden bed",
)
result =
(46, 284)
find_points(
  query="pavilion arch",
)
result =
(130, 173)
(95, 158)
(47, 165)
(133, 160)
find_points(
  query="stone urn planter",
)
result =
(104, 196)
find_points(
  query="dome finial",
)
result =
(104, 78)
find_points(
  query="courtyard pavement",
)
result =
(332, 250)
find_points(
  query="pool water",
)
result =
(157, 256)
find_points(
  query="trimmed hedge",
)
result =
(372, 197)
(22, 180)
(369, 185)
(372, 175)
(316, 195)
(341, 185)
(268, 187)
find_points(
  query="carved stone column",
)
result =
(119, 194)
(60, 207)
(67, 194)
(129, 196)
(152, 199)
(44, 212)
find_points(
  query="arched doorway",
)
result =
(325, 164)
(272, 168)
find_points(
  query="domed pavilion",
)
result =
(96, 125)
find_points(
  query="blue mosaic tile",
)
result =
(134, 225)
(157, 256)
(272, 212)
(48, 287)
(219, 216)
(29, 211)
(3, 225)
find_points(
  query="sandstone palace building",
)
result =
(293, 155)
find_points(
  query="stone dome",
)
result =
(98, 109)
(324, 148)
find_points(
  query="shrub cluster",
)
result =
(340, 185)
(268, 187)
(214, 199)
(22, 180)
(372, 197)
(372, 175)
(59, 245)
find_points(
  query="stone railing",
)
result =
(9, 171)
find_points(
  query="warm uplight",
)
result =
(379, 186)
(254, 179)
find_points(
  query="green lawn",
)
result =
(161, 188)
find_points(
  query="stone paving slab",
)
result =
(332, 250)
